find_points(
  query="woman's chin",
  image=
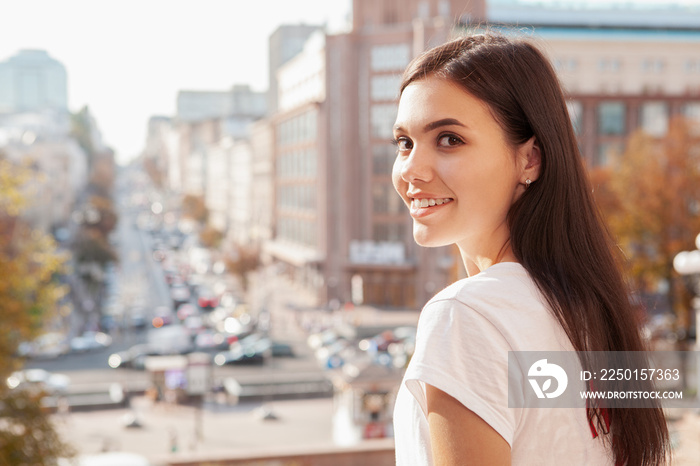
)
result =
(427, 240)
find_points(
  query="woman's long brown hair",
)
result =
(557, 233)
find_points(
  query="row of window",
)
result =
(297, 163)
(653, 117)
(385, 199)
(385, 87)
(381, 120)
(383, 156)
(300, 197)
(297, 230)
(394, 57)
(648, 65)
(298, 129)
(394, 232)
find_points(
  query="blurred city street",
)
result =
(203, 254)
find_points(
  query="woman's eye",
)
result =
(403, 144)
(448, 140)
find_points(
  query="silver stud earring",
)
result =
(527, 183)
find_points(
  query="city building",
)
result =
(41, 141)
(625, 66)
(284, 43)
(160, 152)
(208, 123)
(32, 81)
(338, 224)
(263, 185)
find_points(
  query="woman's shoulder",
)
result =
(505, 281)
(503, 302)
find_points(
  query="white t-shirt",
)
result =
(464, 335)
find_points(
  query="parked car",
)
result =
(90, 341)
(38, 378)
(206, 298)
(47, 346)
(162, 315)
(134, 357)
(180, 293)
(336, 354)
(211, 340)
(253, 349)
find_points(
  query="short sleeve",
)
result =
(462, 353)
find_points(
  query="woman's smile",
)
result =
(421, 207)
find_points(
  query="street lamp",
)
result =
(687, 263)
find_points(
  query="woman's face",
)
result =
(454, 168)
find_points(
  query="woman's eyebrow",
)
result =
(435, 124)
(443, 122)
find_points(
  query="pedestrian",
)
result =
(487, 159)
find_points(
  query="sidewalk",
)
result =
(236, 431)
(169, 432)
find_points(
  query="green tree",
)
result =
(650, 197)
(29, 293)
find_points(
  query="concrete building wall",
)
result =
(284, 43)
(262, 140)
(32, 81)
(362, 231)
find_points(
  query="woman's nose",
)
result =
(416, 167)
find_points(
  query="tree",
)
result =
(650, 197)
(242, 261)
(82, 132)
(210, 237)
(194, 207)
(29, 293)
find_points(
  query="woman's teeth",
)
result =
(418, 203)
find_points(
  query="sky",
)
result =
(127, 59)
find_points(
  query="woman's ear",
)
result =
(531, 159)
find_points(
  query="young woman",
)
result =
(487, 159)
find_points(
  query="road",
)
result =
(141, 285)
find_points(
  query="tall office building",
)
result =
(285, 43)
(624, 66)
(32, 81)
(339, 225)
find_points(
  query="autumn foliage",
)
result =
(650, 198)
(29, 293)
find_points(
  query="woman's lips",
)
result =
(425, 206)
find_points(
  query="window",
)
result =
(394, 232)
(654, 118)
(691, 110)
(383, 156)
(385, 87)
(385, 199)
(382, 118)
(653, 65)
(390, 57)
(611, 118)
(609, 64)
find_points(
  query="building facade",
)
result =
(32, 81)
(623, 67)
(339, 224)
(284, 44)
